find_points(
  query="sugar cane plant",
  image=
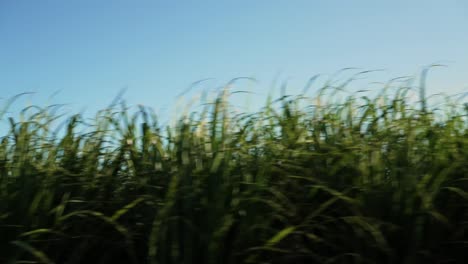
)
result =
(303, 180)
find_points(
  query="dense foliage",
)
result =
(304, 180)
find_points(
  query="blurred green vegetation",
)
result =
(303, 180)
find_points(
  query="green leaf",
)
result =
(280, 236)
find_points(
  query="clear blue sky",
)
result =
(90, 49)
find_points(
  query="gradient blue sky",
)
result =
(88, 50)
